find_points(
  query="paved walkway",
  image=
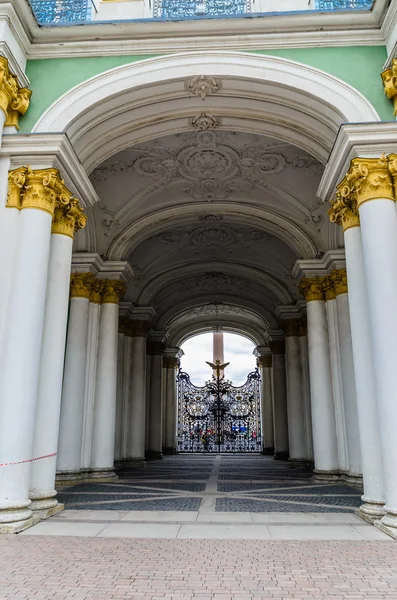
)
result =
(247, 497)
(244, 528)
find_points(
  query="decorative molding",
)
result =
(203, 86)
(216, 282)
(205, 121)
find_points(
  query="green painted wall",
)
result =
(359, 66)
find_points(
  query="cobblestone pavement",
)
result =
(59, 568)
(242, 483)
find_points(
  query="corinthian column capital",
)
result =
(312, 288)
(14, 100)
(339, 278)
(389, 78)
(81, 285)
(368, 179)
(16, 182)
(113, 291)
(68, 218)
(344, 212)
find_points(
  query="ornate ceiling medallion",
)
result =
(204, 121)
(203, 86)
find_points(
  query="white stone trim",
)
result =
(287, 83)
(51, 150)
(363, 139)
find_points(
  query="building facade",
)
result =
(173, 166)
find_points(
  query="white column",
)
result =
(265, 365)
(118, 438)
(125, 431)
(171, 405)
(19, 376)
(323, 414)
(379, 238)
(295, 402)
(94, 312)
(370, 434)
(336, 372)
(42, 477)
(147, 409)
(280, 418)
(72, 404)
(137, 405)
(156, 385)
(349, 385)
(306, 390)
(104, 424)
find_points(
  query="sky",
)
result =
(238, 351)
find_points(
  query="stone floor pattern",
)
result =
(240, 483)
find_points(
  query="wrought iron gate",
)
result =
(219, 417)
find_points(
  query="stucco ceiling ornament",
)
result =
(216, 282)
(203, 86)
(205, 121)
(217, 308)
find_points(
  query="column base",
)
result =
(16, 516)
(134, 463)
(69, 477)
(326, 476)
(169, 451)
(304, 463)
(44, 504)
(282, 455)
(354, 479)
(105, 475)
(391, 531)
(370, 510)
(154, 455)
(268, 451)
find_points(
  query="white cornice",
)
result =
(50, 150)
(364, 139)
(267, 32)
(91, 262)
(171, 45)
(333, 259)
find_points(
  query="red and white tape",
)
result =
(28, 460)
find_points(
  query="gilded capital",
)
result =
(96, 291)
(312, 288)
(139, 328)
(16, 181)
(302, 327)
(339, 277)
(68, 218)
(329, 287)
(81, 285)
(14, 100)
(113, 291)
(277, 347)
(41, 190)
(389, 78)
(344, 212)
(264, 361)
(155, 348)
(367, 179)
(169, 362)
(291, 328)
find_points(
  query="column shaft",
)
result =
(295, 403)
(171, 413)
(118, 439)
(155, 422)
(137, 405)
(267, 405)
(323, 413)
(280, 417)
(379, 237)
(20, 366)
(102, 454)
(370, 435)
(72, 405)
(42, 478)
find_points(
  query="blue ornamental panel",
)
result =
(330, 5)
(188, 9)
(59, 12)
